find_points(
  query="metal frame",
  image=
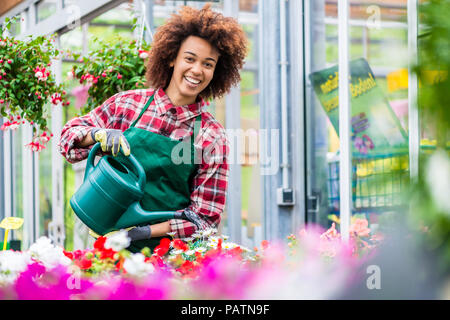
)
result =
(413, 112)
(64, 19)
(282, 19)
(233, 121)
(345, 160)
(297, 113)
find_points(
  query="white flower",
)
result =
(38, 74)
(171, 233)
(12, 264)
(438, 180)
(200, 249)
(188, 239)
(209, 232)
(196, 235)
(211, 244)
(69, 75)
(214, 239)
(118, 241)
(136, 265)
(190, 252)
(225, 237)
(176, 252)
(229, 245)
(50, 255)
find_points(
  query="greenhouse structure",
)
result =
(294, 160)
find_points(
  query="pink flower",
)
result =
(331, 233)
(143, 54)
(360, 227)
(35, 146)
(119, 76)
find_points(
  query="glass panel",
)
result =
(248, 6)
(17, 181)
(378, 47)
(379, 35)
(45, 188)
(45, 9)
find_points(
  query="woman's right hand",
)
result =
(111, 140)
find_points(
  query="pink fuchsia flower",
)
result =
(41, 73)
(44, 137)
(359, 227)
(119, 76)
(12, 125)
(35, 146)
(143, 54)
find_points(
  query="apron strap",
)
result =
(197, 123)
(143, 110)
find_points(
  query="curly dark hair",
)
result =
(224, 33)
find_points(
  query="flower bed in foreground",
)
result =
(310, 265)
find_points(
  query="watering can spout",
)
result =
(136, 215)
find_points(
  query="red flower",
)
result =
(160, 250)
(186, 267)
(180, 245)
(156, 261)
(165, 242)
(219, 244)
(264, 244)
(84, 263)
(68, 254)
(99, 244)
(236, 252)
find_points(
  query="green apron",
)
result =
(168, 185)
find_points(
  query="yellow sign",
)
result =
(398, 80)
(11, 223)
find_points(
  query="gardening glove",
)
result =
(111, 140)
(140, 233)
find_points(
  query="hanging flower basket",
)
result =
(112, 68)
(27, 87)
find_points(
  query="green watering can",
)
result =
(108, 199)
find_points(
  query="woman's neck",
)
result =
(177, 99)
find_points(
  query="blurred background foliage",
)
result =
(430, 194)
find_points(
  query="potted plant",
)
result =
(109, 69)
(27, 85)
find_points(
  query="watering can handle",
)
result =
(90, 166)
(90, 160)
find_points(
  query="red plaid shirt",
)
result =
(209, 187)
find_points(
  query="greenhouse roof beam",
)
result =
(65, 17)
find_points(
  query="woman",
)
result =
(196, 55)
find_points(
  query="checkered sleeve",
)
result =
(76, 129)
(209, 188)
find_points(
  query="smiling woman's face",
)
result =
(193, 70)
